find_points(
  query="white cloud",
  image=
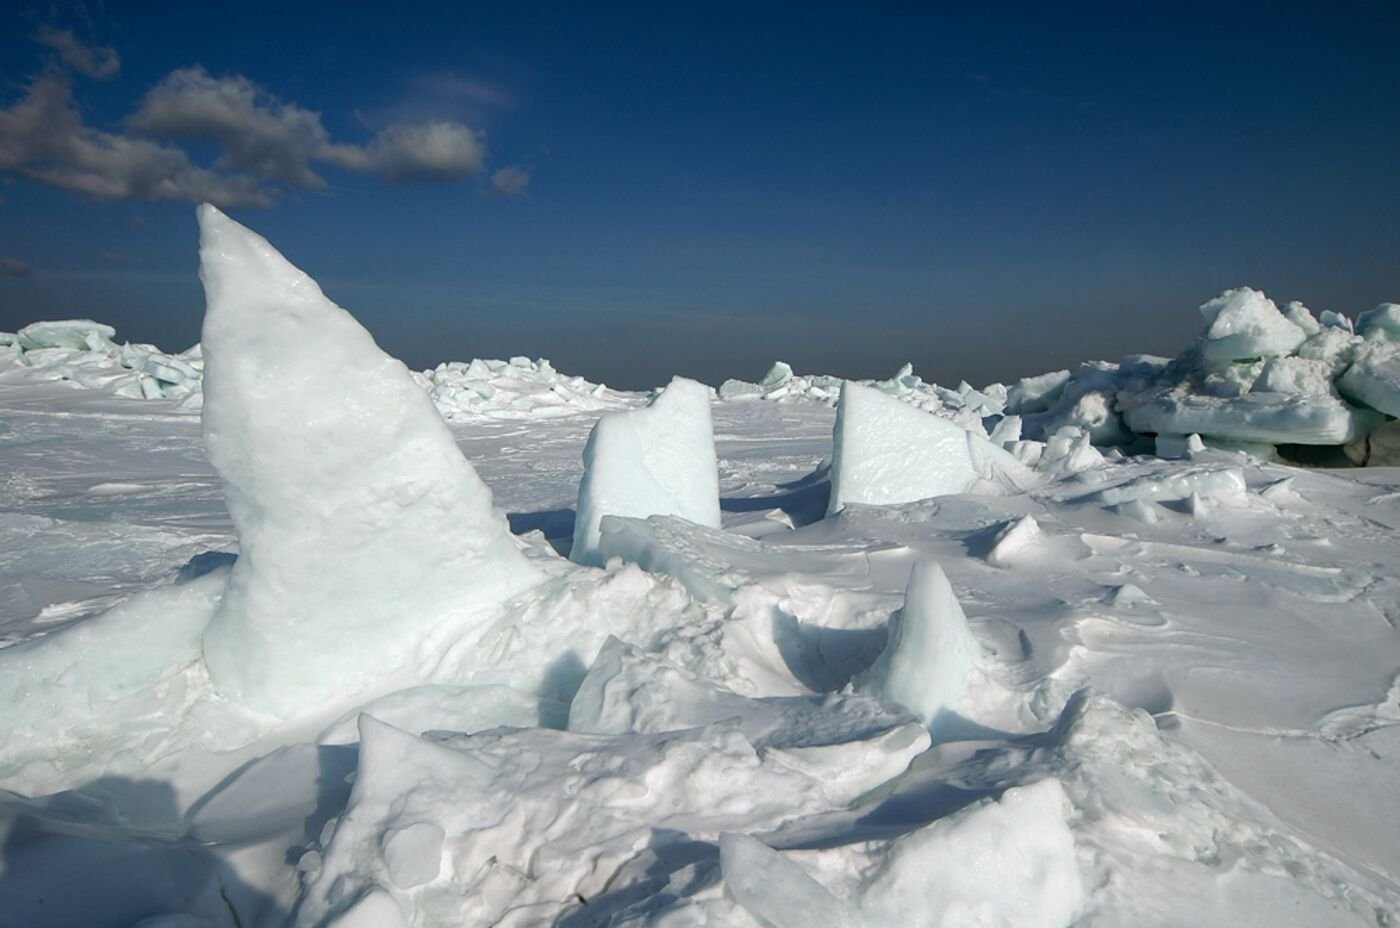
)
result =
(510, 181)
(256, 132)
(99, 63)
(43, 138)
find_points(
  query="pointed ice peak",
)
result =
(361, 525)
(930, 651)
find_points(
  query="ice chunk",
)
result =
(1294, 376)
(1012, 540)
(1379, 324)
(1068, 451)
(775, 890)
(1036, 394)
(1270, 418)
(1244, 323)
(930, 650)
(74, 334)
(1011, 862)
(56, 684)
(888, 452)
(1006, 431)
(1374, 378)
(654, 461)
(1298, 314)
(779, 374)
(361, 524)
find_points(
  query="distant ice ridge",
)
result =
(1257, 377)
(965, 405)
(85, 353)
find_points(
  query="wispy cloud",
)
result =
(14, 267)
(510, 181)
(99, 63)
(467, 87)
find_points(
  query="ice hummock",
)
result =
(360, 524)
(657, 461)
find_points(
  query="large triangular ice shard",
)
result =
(657, 461)
(360, 524)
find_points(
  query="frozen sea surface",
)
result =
(1212, 681)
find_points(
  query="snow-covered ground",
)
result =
(1079, 690)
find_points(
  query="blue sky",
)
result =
(986, 190)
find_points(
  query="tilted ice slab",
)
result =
(361, 526)
(1273, 418)
(59, 688)
(1003, 863)
(887, 452)
(647, 462)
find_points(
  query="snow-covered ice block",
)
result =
(888, 452)
(1381, 323)
(1374, 378)
(930, 651)
(74, 334)
(1294, 375)
(360, 523)
(1244, 323)
(644, 462)
(1005, 863)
